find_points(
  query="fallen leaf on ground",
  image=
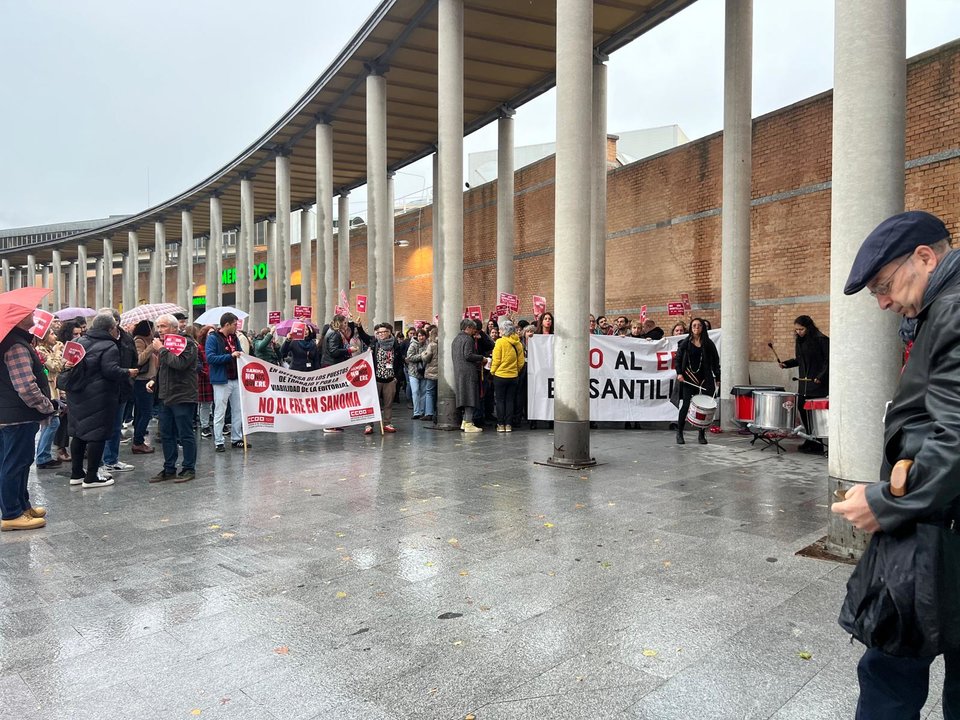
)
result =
(227, 535)
(428, 563)
(196, 711)
(458, 643)
(579, 506)
(282, 650)
(605, 564)
(274, 517)
(341, 595)
(164, 519)
(340, 534)
(666, 563)
(454, 542)
(548, 525)
(213, 527)
(804, 655)
(464, 573)
(611, 504)
(649, 653)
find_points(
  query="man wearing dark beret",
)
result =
(908, 265)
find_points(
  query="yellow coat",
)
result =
(508, 359)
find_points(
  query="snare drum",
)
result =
(701, 412)
(775, 410)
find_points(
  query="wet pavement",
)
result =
(433, 575)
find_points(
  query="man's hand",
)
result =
(855, 510)
(236, 353)
(157, 344)
(150, 385)
(133, 372)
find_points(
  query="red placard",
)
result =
(41, 322)
(501, 310)
(419, 324)
(685, 299)
(361, 303)
(174, 343)
(73, 352)
(343, 299)
(539, 305)
(475, 312)
(675, 308)
(342, 310)
(297, 331)
(643, 313)
(274, 317)
(239, 323)
(511, 301)
(303, 312)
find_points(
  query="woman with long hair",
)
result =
(812, 358)
(679, 329)
(545, 324)
(698, 367)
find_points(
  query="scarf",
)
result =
(947, 271)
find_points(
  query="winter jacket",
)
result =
(305, 355)
(146, 358)
(414, 359)
(266, 349)
(813, 360)
(705, 372)
(430, 355)
(508, 357)
(218, 357)
(177, 380)
(384, 352)
(334, 349)
(94, 401)
(127, 359)
(52, 359)
(466, 371)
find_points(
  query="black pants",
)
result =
(505, 392)
(94, 450)
(686, 395)
(895, 688)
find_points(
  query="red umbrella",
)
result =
(15, 305)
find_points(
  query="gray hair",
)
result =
(506, 326)
(110, 311)
(467, 322)
(103, 321)
(167, 320)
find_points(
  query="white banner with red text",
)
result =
(275, 399)
(630, 380)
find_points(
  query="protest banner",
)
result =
(273, 317)
(174, 343)
(511, 301)
(630, 380)
(73, 352)
(675, 308)
(275, 399)
(361, 304)
(539, 305)
(41, 323)
(303, 312)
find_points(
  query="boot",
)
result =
(701, 436)
(680, 427)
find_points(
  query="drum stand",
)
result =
(771, 438)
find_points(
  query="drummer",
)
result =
(698, 365)
(813, 360)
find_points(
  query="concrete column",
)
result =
(735, 217)
(185, 263)
(245, 245)
(505, 236)
(283, 236)
(160, 257)
(274, 298)
(386, 260)
(133, 268)
(107, 298)
(450, 151)
(72, 275)
(343, 248)
(326, 289)
(45, 276)
(598, 191)
(306, 259)
(153, 267)
(127, 300)
(17, 278)
(56, 280)
(869, 114)
(7, 287)
(376, 186)
(31, 270)
(98, 283)
(82, 275)
(571, 440)
(437, 239)
(214, 261)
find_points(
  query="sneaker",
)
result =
(126, 440)
(221, 448)
(206, 433)
(185, 476)
(427, 418)
(500, 428)
(161, 476)
(119, 466)
(226, 427)
(389, 429)
(508, 428)
(417, 417)
(471, 428)
(76, 481)
(333, 430)
(24, 522)
(102, 474)
(49, 465)
(100, 482)
(239, 444)
(368, 430)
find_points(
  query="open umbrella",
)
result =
(149, 312)
(71, 313)
(15, 305)
(213, 315)
(284, 327)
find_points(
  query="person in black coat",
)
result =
(304, 354)
(91, 388)
(698, 368)
(334, 348)
(813, 360)
(127, 348)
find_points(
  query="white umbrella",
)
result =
(149, 312)
(213, 315)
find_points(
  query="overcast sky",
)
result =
(105, 101)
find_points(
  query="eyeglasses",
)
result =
(884, 287)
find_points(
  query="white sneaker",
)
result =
(118, 466)
(100, 482)
(124, 441)
(76, 481)
(104, 475)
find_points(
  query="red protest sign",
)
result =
(511, 301)
(239, 323)
(685, 299)
(297, 331)
(500, 311)
(643, 313)
(675, 308)
(539, 305)
(41, 322)
(475, 312)
(303, 312)
(73, 352)
(174, 343)
(274, 317)
(343, 299)
(418, 324)
(361, 303)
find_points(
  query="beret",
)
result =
(895, 237)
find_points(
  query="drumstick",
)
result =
(770, 345)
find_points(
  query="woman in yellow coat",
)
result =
(508, 361)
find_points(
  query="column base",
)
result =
(447, 416)
(843, 539)
(571, 445)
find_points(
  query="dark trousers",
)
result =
(505, 392)
(686, 394)
(16, 456)
(111, 452)
(142, 411)
(94, 451)
(895, 688)
(176, 428)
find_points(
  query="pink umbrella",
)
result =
(71, 313)
(284, 327)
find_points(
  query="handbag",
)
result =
(902, 597)
(675, 394)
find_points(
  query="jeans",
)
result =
(895, 688)
(16, 457)
(416, 389)
(505, 390)
(205, 409)
(142, 411)
(94, 452)
(176, 427)
(222, 394)
(45, 443)
(429, 396)
(111, 450)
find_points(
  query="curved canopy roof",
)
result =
(509, 59)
